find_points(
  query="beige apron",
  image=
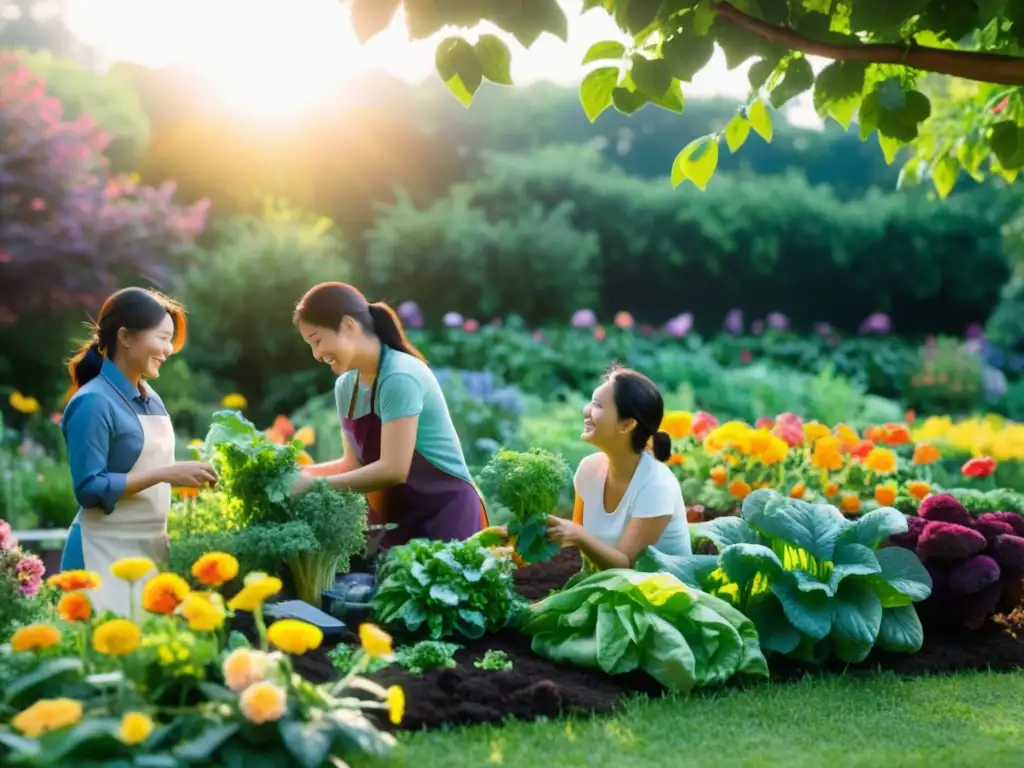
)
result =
(136, 528)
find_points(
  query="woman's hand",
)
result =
(564, 533)
(190, 474)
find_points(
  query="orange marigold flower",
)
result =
(215, 568)
(885, 495)
(676, 459)
(677, 424)
(164, 593)
(814, 431)
(35, 637)
(719, 474)
(881, 460)
(797, 491)
(847, 435)
(185, 493)
(623, 320)
(739, 489)
(851, 503)
(897, 434)
(74, 606)
(75, 581)
(982, 466)
(918, 489)
(862, 449)
(827, 453)
(875, 434)
(830, 489)
(925, 453)
(283, 427)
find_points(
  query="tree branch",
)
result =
(970, 65)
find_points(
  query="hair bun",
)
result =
(661, 446)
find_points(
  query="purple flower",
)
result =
(757, 327)
(584, 318)
(411, 314)
(680, 325)
(30, 572)
(974, 332)
(453, 320)
(778, 321)
(823, 329)
(877, 322)
(734, 322)
(8, 543)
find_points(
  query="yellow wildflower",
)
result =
(117, 637)
(306, 436)
(132, 568)
(395, 698)
(204, 611)
(135, 728)
(375, 641)
(293, 636)
(234, 401)
(258, 587)
(23, 404)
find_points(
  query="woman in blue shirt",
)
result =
(400, 446)
(121, 442)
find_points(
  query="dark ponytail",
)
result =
(134, 309)
(637, 397)
(327, 304)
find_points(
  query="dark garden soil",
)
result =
(536, 688)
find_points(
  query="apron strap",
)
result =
(373, 389)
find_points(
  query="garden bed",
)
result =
(537, 688)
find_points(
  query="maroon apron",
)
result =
(430, 504)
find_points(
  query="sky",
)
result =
(261, 53)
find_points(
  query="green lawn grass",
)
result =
(883, 721)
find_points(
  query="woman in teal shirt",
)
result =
(400, 446)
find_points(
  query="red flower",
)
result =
(979, 467)
(790, 428)
(862, 449)
(764, 423)
(702, 425)
(1001, 105)
(745, 356)
(471, 326)
(599, 333)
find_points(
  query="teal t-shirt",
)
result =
(407, 387)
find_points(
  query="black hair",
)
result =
(327, 304)
(134, 309)
(637, 397)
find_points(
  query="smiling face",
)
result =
(143, 352)
(602, 426)
(335, 349)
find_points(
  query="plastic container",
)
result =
(349, 599)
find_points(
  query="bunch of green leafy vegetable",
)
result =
(813, 582)
(254, 516)
(427, 654)
(446, 589)
(529, 485)
(494, 661)
(622, 620)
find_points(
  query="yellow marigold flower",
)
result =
(306, 436)
(918, 489)
(293, 636)
(375, 641)
(117, 637)
(132, 568)
(23, 404)
(719, 475)
(234, 401)
(885, 495)
(847, 436)
(739, 489)
(164, 593)
(204, 611)
(35, 637)
(263, 703)
(851, 503)
(881, 460)
(47, 715)
(258, 587)
(774, 451)
(244, 667)
(135, 728)
(74, 606)
(678, 424)
(215, 568)
(75, 581)
(925, 453)
(814, 431)
(305, 460)
(395, 698)
(798, 491)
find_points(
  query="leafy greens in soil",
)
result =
(529, 484)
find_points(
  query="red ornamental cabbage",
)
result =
(908, 540)
(973, 575)
(70, 232)
(992, 528)
(943, 508)
(1008, 551)
(948, 541)
(1012, 519)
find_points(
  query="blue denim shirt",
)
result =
(104, 435)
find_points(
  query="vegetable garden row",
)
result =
(923, 573)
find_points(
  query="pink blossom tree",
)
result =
(70, 231)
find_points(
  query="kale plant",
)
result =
(494, 661)
(529, 485)
(427, 654)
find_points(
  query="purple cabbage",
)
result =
(972, 611)
(948, 541)
(992, 528)
(972, 575)
(1008, 551)
(908, 540)
(1012, 519)
(943, 508)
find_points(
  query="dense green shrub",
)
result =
(1005, 326)
(765, 244)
